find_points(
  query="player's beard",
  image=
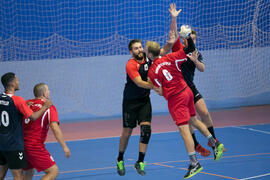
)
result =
(139, 56)
(17, 88)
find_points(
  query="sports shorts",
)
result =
(197, 95)
(181, 107)
(136, 111)
(13, 159)
(38, 157)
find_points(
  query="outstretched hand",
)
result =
(194, 56)
(173, 11)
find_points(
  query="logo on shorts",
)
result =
(20, 155)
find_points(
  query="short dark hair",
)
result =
(133, 41)
(7, 78)
(193, 32)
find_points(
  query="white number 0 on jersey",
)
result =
(4, 119)
(167, 74)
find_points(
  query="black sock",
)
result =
(211, 130)
(141, 157)
(194, 139)
(120, 156)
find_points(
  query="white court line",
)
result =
(253, 177)
(251, 129)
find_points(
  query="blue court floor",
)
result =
(247, 157)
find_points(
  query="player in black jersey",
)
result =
(136, 102)
(188, 68)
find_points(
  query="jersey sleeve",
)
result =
(132, 70)
(200, 57)
(153, 77)
(53, 114)
(177, 45)
(21, 106)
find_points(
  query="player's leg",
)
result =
(179, 110)
(129, 117)
(50, 173)
(3, 171)
(205, 116)
(3, 166)
(217, 147)
(145, 134)
(198, 148)
(194, 166)
(28, 174)
(17, 174)
(145, 117)
(126, 133)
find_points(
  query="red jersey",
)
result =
(35, 132)
(177, 45)
(165, 71)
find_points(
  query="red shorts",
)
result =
(38, 157)
(181, 107)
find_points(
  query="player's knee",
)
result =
(145, 134)
(52, 171)
(204, 114)
(55, 171)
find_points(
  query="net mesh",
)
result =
(33, 30)
(233, 35)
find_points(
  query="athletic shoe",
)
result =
(218, 151)
(120, 168)
(202, 151)
(139, 166)
(224, 149)
(193, 170)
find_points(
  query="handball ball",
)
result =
(185, 31)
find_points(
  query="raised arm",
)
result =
(173, 35)
(174, 13)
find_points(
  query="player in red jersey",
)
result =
(165, 72)
(35, 134)
(12, 109)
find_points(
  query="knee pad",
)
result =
(145, 134)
